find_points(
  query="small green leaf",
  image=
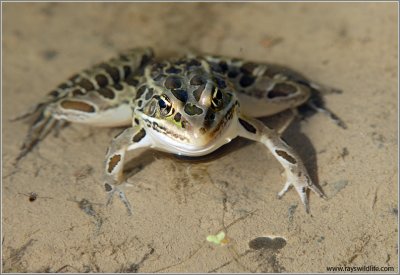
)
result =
(217, 239)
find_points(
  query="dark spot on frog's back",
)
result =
(172, 82)
(139, 136)
(53, 93)
(248, 68)
(197, 80)
(220, 83)
(248, 126)
(114, 73)
(118, 87)
(173, 70)
(246, 80)
(193, 63)
(216, 68)
(180, 94)
(107, 93)
(224, 67)
(86, 84)
(64, 86)
(192, 109)
(131, 81)
(159, 77)
(127, 71)
(145, 59)
(101, 80)
(149, 93)
(140, 91)
(233, 74)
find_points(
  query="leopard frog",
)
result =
(188, 106)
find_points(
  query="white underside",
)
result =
(115, 117)
(256, 107)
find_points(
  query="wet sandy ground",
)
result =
(177, 204)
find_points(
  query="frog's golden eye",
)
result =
(165, 106)
(217, 99)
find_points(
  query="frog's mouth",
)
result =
(191, 142)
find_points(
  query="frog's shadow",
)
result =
(293, 135)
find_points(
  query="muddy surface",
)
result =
(54, 213)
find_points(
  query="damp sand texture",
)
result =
(178, 204)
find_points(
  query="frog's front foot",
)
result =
(296, 173)
(129, 139)
(301, 183)
(111, 190)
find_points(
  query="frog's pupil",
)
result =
(162, 103)
(218, 95)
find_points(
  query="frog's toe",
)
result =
(37, 132)
(111, 190)
(301, 186)
(284, 189)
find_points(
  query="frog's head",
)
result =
(185, 102)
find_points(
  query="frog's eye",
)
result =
(216, 100)
(165, 106)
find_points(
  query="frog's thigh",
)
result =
(93, 109)
(268, 97)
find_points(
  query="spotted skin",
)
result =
(131, 138)
(84, 99)
(189, 106)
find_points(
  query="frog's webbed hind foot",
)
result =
(325, 111)
(316, 103)
(111, 190)
(31, 113)
(41, 127)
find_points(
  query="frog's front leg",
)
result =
(296, 173)
(130, 139)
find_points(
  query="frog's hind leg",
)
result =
(316, 103)
(90, 108)
(98, 96)
(265, 89)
